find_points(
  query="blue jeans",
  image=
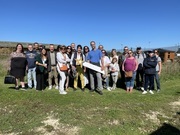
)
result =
(31, 76)
(157, 80)
(130, 80)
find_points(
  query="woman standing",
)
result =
(68, 79)
(41, 67)
(77, 60)
(86, 74)
(130, 66)
(18, 65)
(62, 59)
(113, 55)
(106, 65)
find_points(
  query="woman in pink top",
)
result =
(130, 64)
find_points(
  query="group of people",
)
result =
(62, 67)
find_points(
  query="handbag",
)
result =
(9, 79)
(63, 67)
(128, 73)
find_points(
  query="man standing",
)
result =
(73, 47)
(122, 57)
(150, 70)
(31, 66)
(94, 57)
(36, 48)
(52, 71)
(158, 70)
(140, 56)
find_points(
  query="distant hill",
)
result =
(13, 44)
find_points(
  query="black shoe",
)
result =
(91, 91)
(83, 89)
(99, 92)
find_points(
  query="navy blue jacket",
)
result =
(149, 65)
(31, 58)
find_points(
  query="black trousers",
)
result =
(149, 80)
(140, 78)
(40, 81)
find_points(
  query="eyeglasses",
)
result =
(63, 48)
(130, 53)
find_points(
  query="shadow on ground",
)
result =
(166, 129)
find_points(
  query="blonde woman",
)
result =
(113, 55)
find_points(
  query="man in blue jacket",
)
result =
(31, 66)
(149, 65)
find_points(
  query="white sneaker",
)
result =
(151, 92)
(142, 88)
(144, 92)
(63, 93)
(50, 87)
(158, 90)
(56, 87)
(108, 88)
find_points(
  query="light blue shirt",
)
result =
(94, 56)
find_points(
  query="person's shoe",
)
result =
(56, 87)
(91, 91)
(144, 92)
(142, 88)
(108, 88)
(83, 89)
(137, 88)
(75, 89)
(99, 91)
(158, 90)
(17, 87)
(66, 89)
(63, 93)
(150, 91)
(50, 87)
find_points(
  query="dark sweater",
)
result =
(149, 65)
(31, 58)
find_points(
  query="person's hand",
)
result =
(45, 65)
(73, 68)
(159, 73)
(102, 68)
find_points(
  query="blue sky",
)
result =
(112, 23)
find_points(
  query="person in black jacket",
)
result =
(149, 65)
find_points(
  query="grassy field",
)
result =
(84, 113)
